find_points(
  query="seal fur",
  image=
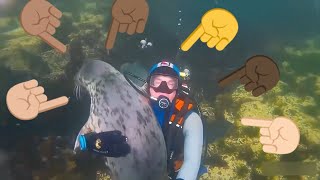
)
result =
(115, 105)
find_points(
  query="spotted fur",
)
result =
(115, 105)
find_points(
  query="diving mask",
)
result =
(165, 85)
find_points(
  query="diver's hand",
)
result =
(40, 18)
(218, 28)
(128, 16)
(26, 100)
(280, 136)
(109, 143)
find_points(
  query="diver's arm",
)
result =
(193, 133)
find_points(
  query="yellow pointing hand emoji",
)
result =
(218, 28)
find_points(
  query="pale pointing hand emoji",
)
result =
(218, 28)
(280, 136)
(40, 18)
(26, 100)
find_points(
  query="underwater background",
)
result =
(288, 31)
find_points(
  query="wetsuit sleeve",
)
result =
(193, 133)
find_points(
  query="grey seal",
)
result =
(115, 105)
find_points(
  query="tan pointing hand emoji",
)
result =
(26, 100)
(280, 136)
(40, 18)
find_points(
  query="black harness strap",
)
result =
(174, 136)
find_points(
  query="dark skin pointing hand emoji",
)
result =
(259, 75)
(128, 16)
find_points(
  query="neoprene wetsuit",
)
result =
(193, 134)
(193, 143)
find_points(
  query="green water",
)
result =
(287, 30)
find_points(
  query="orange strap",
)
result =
(178, 106)
(177, 165)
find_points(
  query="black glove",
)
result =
(110, 143)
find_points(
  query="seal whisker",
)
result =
(79, 94)
(74, 90)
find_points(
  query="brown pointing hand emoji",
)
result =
(280, 136)
(40, 18)
(128, 16)
(26, 100)
(259, 75)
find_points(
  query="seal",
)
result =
(116, 105)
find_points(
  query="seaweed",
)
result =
(296, 96)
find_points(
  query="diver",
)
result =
(181, 125)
